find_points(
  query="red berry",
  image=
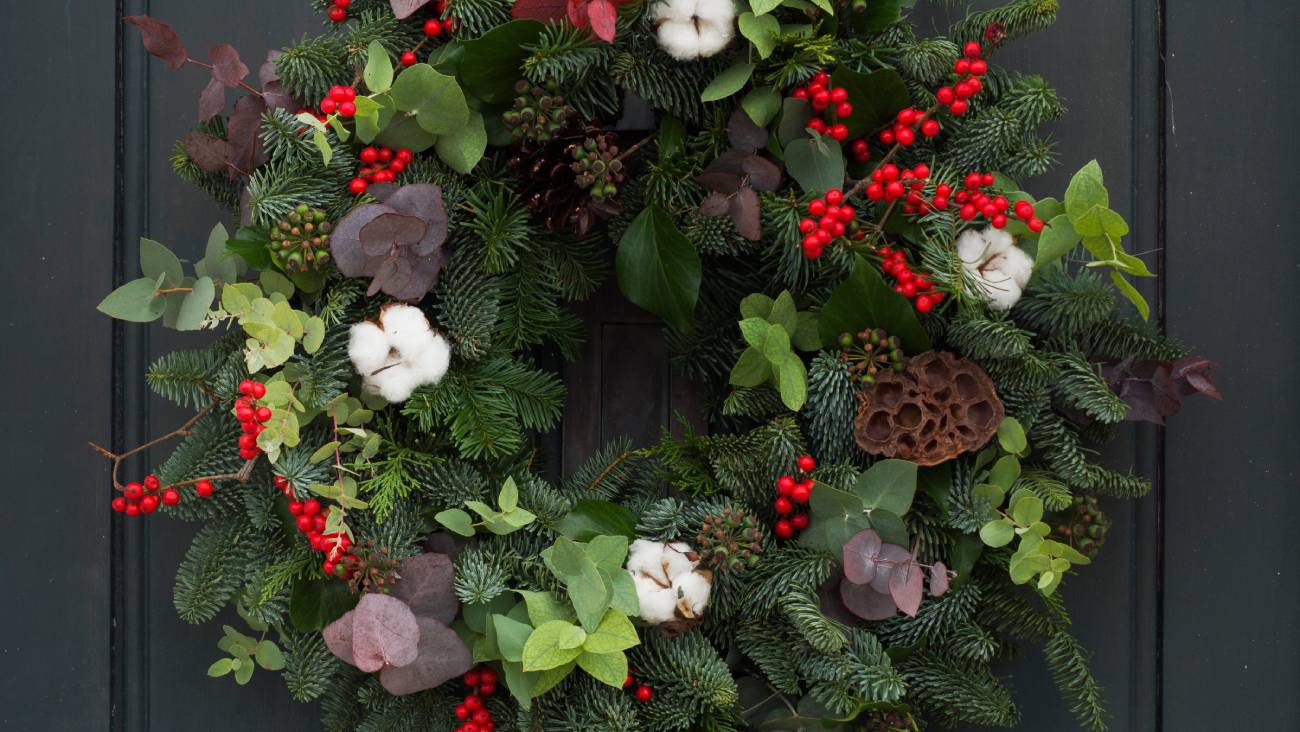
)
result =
(807, 226)
(469, 727)
(940, 203)
(247, 442)
(295, 507)
(783, 506)
(318, 524)
(817, 207)
(924, 303)
(310, 507)
(644, 693)
(368, 155)
(905, 137)
(840, 132)
(342, 3)
(488, 676)
(979, 67)
(462, 712)
(929, 128)
(1024, 209)
(968, 212)
(987, 179)
(397, 166)
(962, 67)
(816, 125)
(259, 390)
(1035, 224)
(347, 109)
(304, 524)
(133, 491)
(132, 509)
(248, 453)
(249, 427)
(893, 190)
(821, 99)
(433, 27)
(119, 505)
(408, 58)
(151, 483)
(203, 488)
(844, 110)
(800, 93)
(171, 497)
(487, 689)
(945, 95)
(875, 191)
(338, 93)
(834, 197)
(958, 107)
(473, 703)
(628, 681)
(784, 485)
(807, 464)
(357, 186)
(972, 50)
(246, 387)
(328, 105)
(801, 492)
(337, 14)
(839, 95)
(783, 529)
(482, 717)
(263, 414)
(328, 567)
(799, 521)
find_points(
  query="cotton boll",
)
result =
(394, 384)
(1017, 265)
(367, 347)
(658, 604)
(714, 36)
(407, 329)
(680, 40)
(645, 559)
(678, 559)
(717, 12)
(1000, 268)
(431, 363)
(693, 29)
(692, 592)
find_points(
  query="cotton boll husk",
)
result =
(367, 347)
(407, 329)
(692, 591)
(658, 604)
(677, 559)
(991, 258)
(646, 558)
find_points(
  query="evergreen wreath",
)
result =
(910, 357)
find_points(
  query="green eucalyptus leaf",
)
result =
(728, 82)
(137, 301)
(463, 148)
(889, 485)
(435, 100)
(158, 261)
(762, 31)
(998, 533)
(815, 163)
(378, 74)
(195, 304)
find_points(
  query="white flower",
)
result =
(668, 585)
(399, 353)
(1000, 268)
(694, 29)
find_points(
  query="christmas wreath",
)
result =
(908, 356)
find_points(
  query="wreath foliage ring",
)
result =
(908, 355)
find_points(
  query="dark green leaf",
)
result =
(728, 82)
(590, 519)
(864, 300)
(491, 63)
(658, 269)
(876, 98)
(313, 604)
(816, 164)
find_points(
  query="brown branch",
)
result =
(605, 473)
(183, 431)
(637, 146)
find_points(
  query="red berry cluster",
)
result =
(970, 69)
(472, 711)
(311, 518)
(284, 485)
(975, 202)
(379, 165)
(828, 219)
(139, 499)
(905, 125)
(889, 184)
(643, 692)
(341, 99)
(832, 102)
(790, 494)
(339, 12)
(911, 285)
(251, 417)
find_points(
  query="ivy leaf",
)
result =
(378, 74)
(862, 300)
(1086, 191)
(752, 369)
(658, 268)
(551, 645)
(160, 40)
(814, 164)
(728, 82)
(492, 62)
(1130, 292)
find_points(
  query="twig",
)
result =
(183, 431)
(637, 146)
(242, 85)
(605, 473)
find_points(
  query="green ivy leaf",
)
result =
(508, 498)
(728, 82)
(607, 668)
(864, 300)
(1086, 191)
(815, 164)
(137, 301)
(157, 261)
(658, 268)
(615, 633)
(551, 645)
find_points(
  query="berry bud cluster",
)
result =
(538, 113)
(642, 693)
(911, 285)
(311, 518)
(790, 494)
(378, 165)
(596, 166)
(731, 541)
(341, 100)
(472, 712)
(251, 417)
(869, 352)
(828, 219)
(339, 12)
(1083, 526)
(301, 241)
(831, 102)
(140, 499)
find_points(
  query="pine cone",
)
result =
(552, 188)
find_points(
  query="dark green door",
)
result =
(1191, 611)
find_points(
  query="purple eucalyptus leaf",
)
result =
(384, 633)
(423, 201)
(1195, 375)
(938, 579)
(745, 214)
(764, 175)
(890, 556)
(426, 586)
(442, 657)
(743, 133)
(227, 67)
(906, 586)
(406, 8)
(242, 132)
(338, 638)
(403, 260)
(211, 100)
(160, 40)
(268, 72)
(859, 556)
(389, 230)
(717, 204)
(720, 181)
(209, 152)
(865, 602)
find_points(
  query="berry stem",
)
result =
(637, 146)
